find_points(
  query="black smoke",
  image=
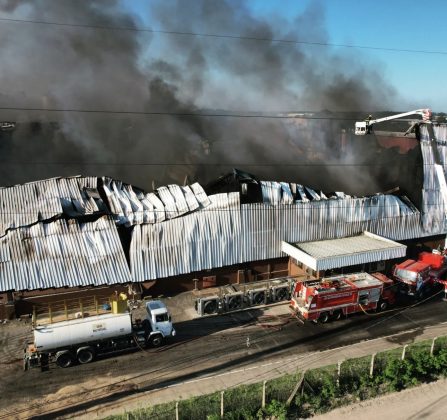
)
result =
(62, 67)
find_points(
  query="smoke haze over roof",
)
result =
(62, 67)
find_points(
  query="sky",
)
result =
(419, 78)
(141, 90)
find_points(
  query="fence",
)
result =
(306, 393)
(64, 310)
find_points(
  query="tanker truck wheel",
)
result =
(85, 355)
(156, 340)
(64, 359)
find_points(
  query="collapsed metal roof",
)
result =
(288, 193)
(60, 254)
(229, 232)
(23, 205)
(201, 240)
(180, 229)
(343, 252)
(132, 206)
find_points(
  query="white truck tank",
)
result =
(78, 331)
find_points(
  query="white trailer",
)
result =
(82, 330)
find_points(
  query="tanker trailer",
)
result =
(81, 340)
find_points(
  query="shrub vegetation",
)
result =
(323, 389)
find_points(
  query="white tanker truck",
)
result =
(81, 340)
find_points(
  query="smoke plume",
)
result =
(175, 76)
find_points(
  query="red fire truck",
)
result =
(332, 297)
(417, 278)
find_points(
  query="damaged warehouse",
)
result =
(72, 235)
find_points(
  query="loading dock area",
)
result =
(316, 257)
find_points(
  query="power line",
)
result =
(203, 164)
(180, 114)
(230, 114)
(222, 36)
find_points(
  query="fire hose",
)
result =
(402, 309)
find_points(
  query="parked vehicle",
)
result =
(82, 339)
(419, 277)
(334, 297)
(158, 324)
(240, 296)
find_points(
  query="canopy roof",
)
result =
(337, 253)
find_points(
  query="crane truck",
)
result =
(365, 127)
(82, 339)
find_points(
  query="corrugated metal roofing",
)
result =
(23, 205)
(201, 240)
(433, 202)
(271, 192)
(181, 230)
(252, 232)
(228, 233)
(60, 254)
(131, 207)
(336, 253)
(283, 193)
(288, 193)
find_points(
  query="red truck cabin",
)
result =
(408, 271)
(413, 275)
(436, 261)
(338, 295)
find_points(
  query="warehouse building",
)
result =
(79, 235)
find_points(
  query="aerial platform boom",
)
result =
(364, 127)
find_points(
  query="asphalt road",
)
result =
(208, 346)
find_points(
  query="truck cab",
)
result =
(417, 278)
(412, 276)
(158, 323)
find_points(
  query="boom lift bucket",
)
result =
(361, 128)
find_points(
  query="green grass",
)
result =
(322, 390)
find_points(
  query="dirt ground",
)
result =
(215, 345)
(428, 401)
(13, 337)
